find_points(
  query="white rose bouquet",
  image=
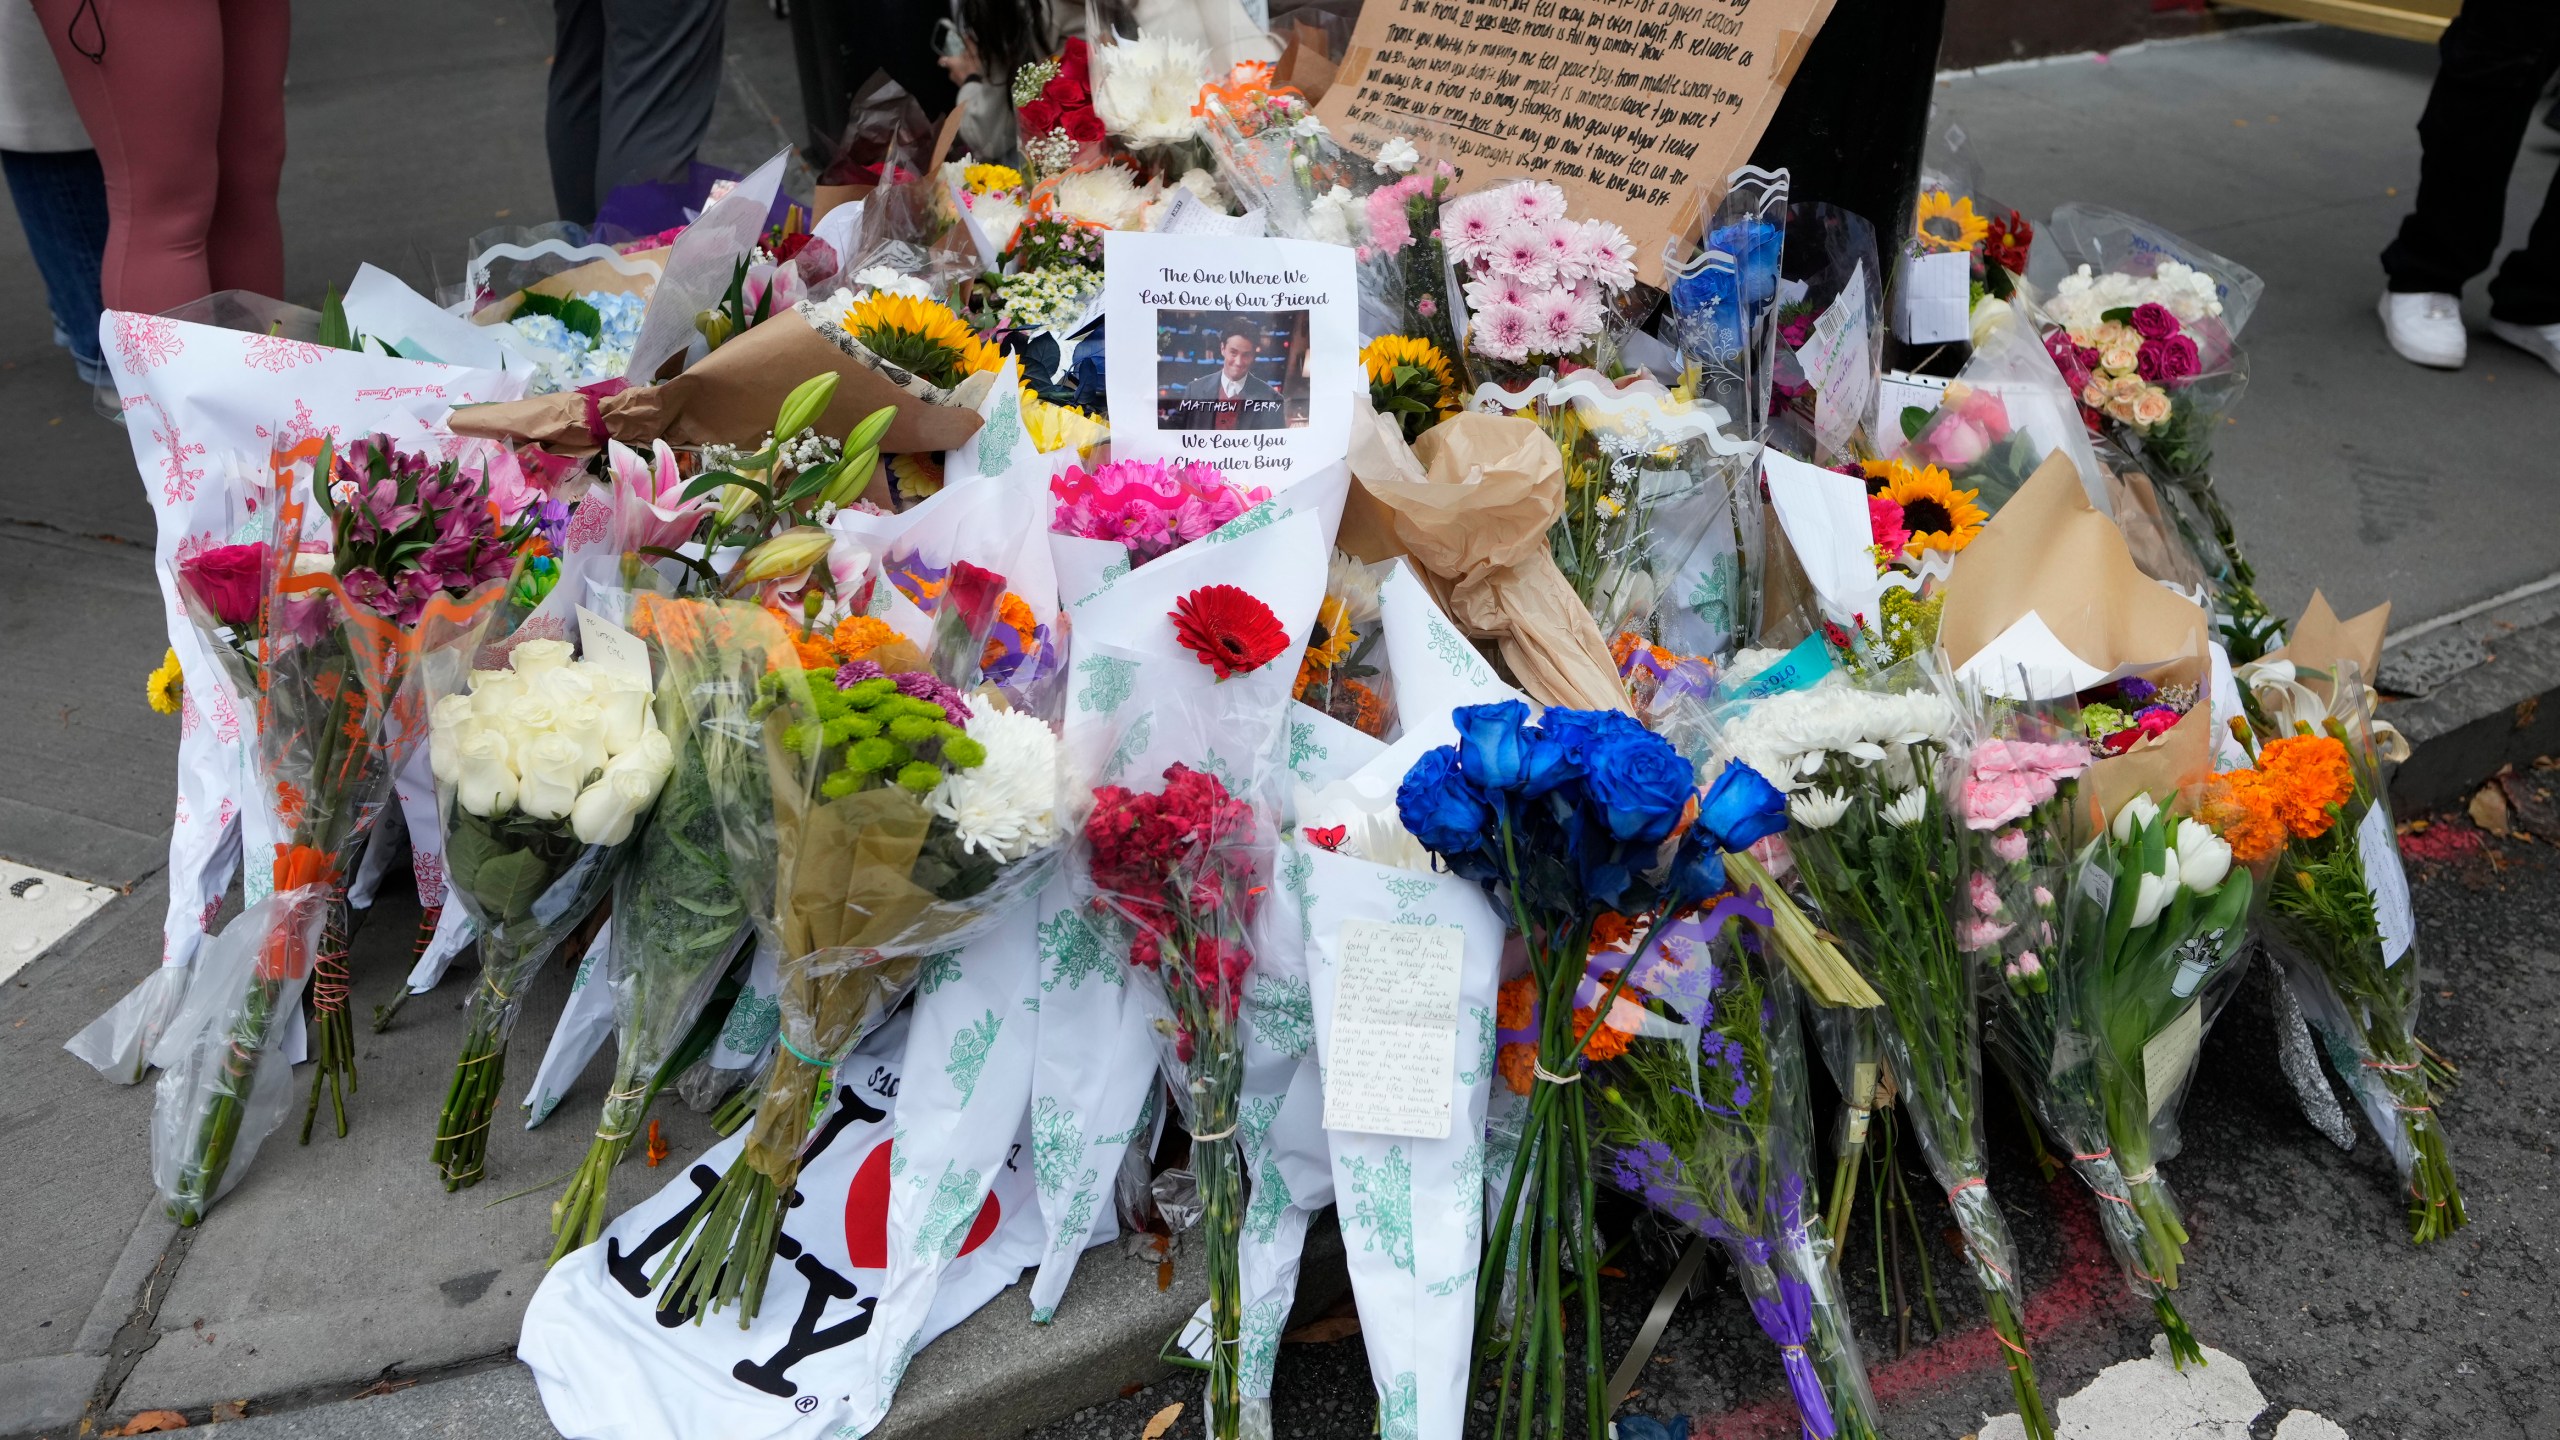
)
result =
(543, 769)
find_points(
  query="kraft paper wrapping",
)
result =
(2319, 640)
(729, 398)
(2050, 551)
(584, 279)
(1470, 503)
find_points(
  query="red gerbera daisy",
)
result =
(1232, 632)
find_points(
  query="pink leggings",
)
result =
(186, 109)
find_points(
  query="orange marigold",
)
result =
(1515, 1005)
(1607, 1042)
(1612, 931)
(1515, 1061)
(858, 635)
(2309, 775)
(2241, 808)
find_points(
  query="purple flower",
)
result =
(2135, 689)
(854, 672)
(365, 586)
(917, 685)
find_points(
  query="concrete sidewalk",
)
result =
(413, 128)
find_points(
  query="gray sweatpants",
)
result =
(632, 85)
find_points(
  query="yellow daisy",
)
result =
(1947, 222)
(165, 685)
(1938, 515)
(921, 336)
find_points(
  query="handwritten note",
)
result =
(1391, 1064)
(2168, 1056)
(2379, 849)
(610, 647)
(1839, 363)
(1636, 107)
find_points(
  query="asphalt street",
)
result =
(2300, 1266)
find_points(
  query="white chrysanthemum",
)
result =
(1144, 88)
(1819, 809)
(997, 217)
(1007, 806)
(1908, 808)
(1104, 196)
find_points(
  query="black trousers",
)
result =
(632, 86)
(2494, 60)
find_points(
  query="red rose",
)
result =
(1038, 118)
(230, 581)
(976, 592)
(1084, 126)
(1073, 58)
(1068, 88)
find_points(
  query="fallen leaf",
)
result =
(2489, 809)
(1324, 1331)
(1164, 1276)
(151, 1420)
(1162, 1422)
(1613, 1272)
(230, 1409)
(657, 1145)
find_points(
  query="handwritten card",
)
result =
(1391, 1065)
(2379, 849)
(608, 646)
(1840, 363)
(2168, 1056)
(1233, 351)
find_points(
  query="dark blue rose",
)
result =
(1697, 871)
(1638, 786)
(1443, 808)
(1557, 749)
(1741, 808)
(1491, 745)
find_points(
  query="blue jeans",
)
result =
(62, 202)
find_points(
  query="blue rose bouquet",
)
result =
(1581, 816)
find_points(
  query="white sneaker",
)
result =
(2540, 341)
(2425, 329)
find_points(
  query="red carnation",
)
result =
(229, 580)
(1232, 632)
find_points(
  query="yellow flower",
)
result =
(165, 685)
(1056, 427)
(922, 336)
(918, 475)
(1382, 356)
(1938, 515)
(988, 179)
(1332, 640)
(1947, 222)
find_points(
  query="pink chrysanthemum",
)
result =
(1613, 255)
(1503, 332)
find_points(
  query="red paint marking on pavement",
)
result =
(2089, 1283)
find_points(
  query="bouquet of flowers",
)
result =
(1582, 815)
(1875, 844)
(1343, 672)
(1053, 108)
(1704, 1118)
(1146, 92)
(2338, 914)
(1398, 230)
(1724, 299)
(1540, 284)
(544, 764)
(883, 794)
(1274, 155)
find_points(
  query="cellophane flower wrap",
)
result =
(677, 914)
(1868, 770)
(898, 791)
(545, 763)
(1706, 1119)
(2112, 945)
(1582, 815)
(1184, 861)
(326, 655)
(2339, 918)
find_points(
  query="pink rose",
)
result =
(1956, 441)
(2153, 321)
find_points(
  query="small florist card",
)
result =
(1231, 351)
(1395, 1029)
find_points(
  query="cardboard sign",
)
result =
(1638, 108)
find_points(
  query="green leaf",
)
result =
(708, 912)
(1913, 417)
(335, 332)
(2120, 314)
(695, 564)
(704, 484)
(573, 313)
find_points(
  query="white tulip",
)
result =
(2202, 857)
(1819, 809)
(484, 782)
(2139, 811)
(1908, 808)
(2153, 896)
(605, 811)
(532, 657)
(552, 773)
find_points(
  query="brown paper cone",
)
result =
(2319, 640)
(730, 398)
(1471, 503)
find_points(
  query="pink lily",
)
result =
(648, 504)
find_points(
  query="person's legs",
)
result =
(62, 204)
(661, 77)
(153, 106)
(2488, 77)
(572, 106)
(244, 249)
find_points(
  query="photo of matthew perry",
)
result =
(1224, 370)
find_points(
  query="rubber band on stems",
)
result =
(826, 1075)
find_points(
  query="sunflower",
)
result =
(920, 336)
(1410, 379)
(1947, 222)
(1938, 515)
(165, 684)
